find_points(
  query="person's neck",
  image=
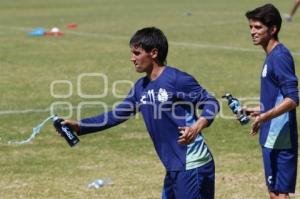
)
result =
(155, 72)
(270, 45)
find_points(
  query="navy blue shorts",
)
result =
(280, 169)
(198, 183)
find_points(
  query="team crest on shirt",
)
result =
(265, 71)
(151, 96)
(162, 95)
(270, 180)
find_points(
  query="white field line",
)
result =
(97, 35)
(26, 111)
(11, 112)
(184, 44)
(16, 28)
(212, 46)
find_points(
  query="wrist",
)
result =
(262, 117)
(200, 124)
(196, 128)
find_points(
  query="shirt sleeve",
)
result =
(284, 74)
(119, 114)
(189, 90)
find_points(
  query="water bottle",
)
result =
(65, 131)
(99, 183)
(234, 105)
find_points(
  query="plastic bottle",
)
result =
(99, 183)
(234, 105)
(65, 131)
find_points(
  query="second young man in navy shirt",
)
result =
(276, 116)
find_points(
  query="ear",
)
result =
(273, 30)
(154, 53)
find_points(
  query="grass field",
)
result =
(208, 39)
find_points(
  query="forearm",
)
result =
(121, 113)
(210, 109)
(286, 105)
(97, 123)
(200, 124)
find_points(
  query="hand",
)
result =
(74, 125)
(187, 135)
(253, 112)
(255, 125)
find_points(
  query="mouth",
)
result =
(254, 38)
(134, 63)
(136, 66)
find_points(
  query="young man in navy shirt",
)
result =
(168, 99)
(276, 116)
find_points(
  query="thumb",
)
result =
(182, 129)
(68, 122)
(255, 114)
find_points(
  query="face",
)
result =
(260, 33)
(142, 60)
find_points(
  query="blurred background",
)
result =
(80, 66)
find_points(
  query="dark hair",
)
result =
(149, 38)
(267, 14)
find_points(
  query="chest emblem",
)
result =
(162, 95)
(265, 71)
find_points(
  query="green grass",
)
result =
(48, 168)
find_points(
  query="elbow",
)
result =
(216, 106)
(294, 102)
(210, 110)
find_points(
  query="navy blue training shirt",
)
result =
(278, 81)
(170, 101)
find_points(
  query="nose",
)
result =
(132, 58)
(252, 31)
